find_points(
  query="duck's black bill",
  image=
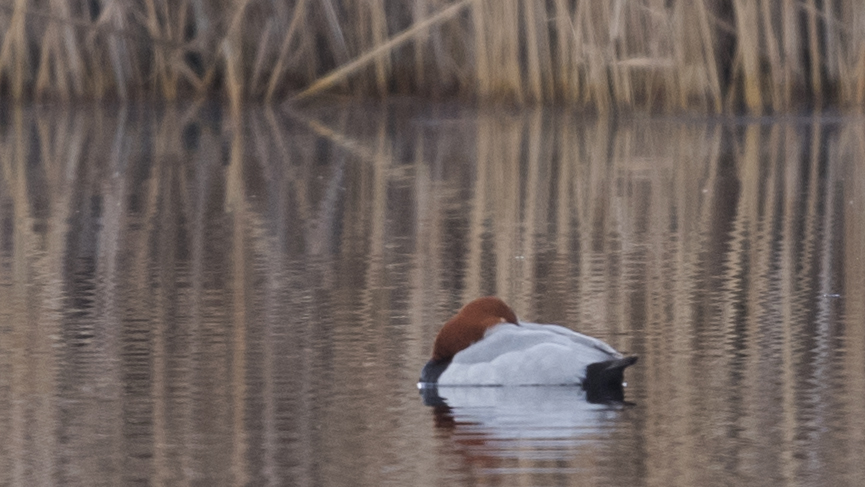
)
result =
(604, 380)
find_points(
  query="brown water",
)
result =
(186, 298)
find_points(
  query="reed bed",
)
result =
(756, 56)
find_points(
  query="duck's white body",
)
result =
(527, 354)
(485, 344)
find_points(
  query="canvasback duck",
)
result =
(485, 344)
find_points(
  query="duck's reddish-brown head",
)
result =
(469, 326)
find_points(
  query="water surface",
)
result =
(192, 298)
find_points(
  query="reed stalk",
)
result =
(813, 47)
(603, 56)
(14, 50)
(340, 74)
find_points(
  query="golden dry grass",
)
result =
(706, 55)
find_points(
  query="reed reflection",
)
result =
(189, 297)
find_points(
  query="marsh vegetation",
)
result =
(708, 55)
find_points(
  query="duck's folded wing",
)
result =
(579, 338)
(519, 355)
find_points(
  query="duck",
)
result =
(485, 344)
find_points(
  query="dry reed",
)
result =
(707, 55)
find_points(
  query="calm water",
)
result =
(187, 298)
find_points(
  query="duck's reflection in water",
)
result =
(492, 426)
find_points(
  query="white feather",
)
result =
(526, 354)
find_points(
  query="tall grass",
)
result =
(707, 55)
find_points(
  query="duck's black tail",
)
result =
(604, 379)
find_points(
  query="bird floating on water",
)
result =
(485, 344)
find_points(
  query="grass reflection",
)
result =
(173, 279)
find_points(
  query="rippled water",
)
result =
(192, 298)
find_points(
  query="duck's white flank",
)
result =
(526, 354)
